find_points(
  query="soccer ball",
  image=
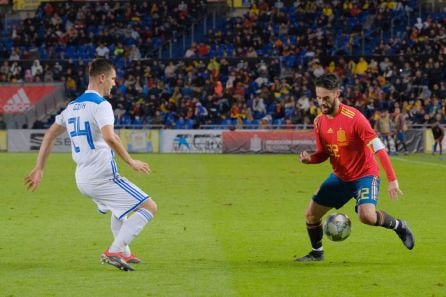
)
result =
(337, 227)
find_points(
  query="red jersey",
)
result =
(346, 138)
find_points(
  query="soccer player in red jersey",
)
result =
(345, 136)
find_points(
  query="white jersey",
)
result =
(83, 118)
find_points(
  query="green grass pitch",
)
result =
(228, 225)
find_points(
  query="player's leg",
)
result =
(143, 212)
(313, 216)
(123, 198)
(102, 195)
(367, 190)
(115, 225)
(331, 194)
(132, 227)
(370, 216)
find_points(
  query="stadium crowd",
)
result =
(83, 30)
(256, 72)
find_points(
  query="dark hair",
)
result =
(328, 81)
(100, 66)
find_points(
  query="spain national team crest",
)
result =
(341, 137)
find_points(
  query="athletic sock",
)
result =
(315, 233)
(130, 229)
(116, 225)
(385, 220)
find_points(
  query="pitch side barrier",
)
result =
(204, 141)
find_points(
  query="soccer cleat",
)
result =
(406, 235)
(115, 259)
(133, 259)
(312, 256)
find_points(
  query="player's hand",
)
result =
(394, 190)
(304, 157)
(33, 179)
(140, 166)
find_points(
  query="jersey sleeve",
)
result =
(104, 114)
(364, 129)
(321, 154)
(60, 120)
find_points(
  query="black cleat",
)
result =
(405, 234)
(312, 256)
(115, 259)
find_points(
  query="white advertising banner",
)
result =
(26, 140)
(191, 141)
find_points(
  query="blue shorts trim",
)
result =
(336, 193)
(134, 207)
(129, 189)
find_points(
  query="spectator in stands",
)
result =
(102, 51)
(170, 72)
(48, 75)
(36, 69)
(15, 72)
(361, 67)
(438, 133)
(4, 71)
(382, 127)
(191, 52)
(15, 54)
(57, 69)
(400, 120)
(71, 86)
(203, 50)
(134, 53)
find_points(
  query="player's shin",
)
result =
(385, 220)
(400, 227)
(115, 225)
(130, 229)
(315, 233)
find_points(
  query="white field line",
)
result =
(419, 162)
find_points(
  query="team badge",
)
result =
(341, 137)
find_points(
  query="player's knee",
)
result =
(367, 218)
(310, 218)
(151, 206)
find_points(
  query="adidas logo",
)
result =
(19, 102)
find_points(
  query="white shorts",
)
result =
(118, 195)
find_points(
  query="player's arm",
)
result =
(315, 158)
(113, 140)
(33, 179)
(380, 151)
(320, 155)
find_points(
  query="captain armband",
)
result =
(377, 144)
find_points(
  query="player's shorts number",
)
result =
(364, 194)
(77, 131)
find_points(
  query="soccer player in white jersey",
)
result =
(89, 122)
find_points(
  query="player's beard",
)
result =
(329, 109)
